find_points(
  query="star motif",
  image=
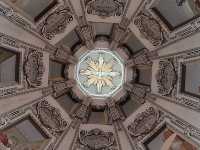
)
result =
(99, 73)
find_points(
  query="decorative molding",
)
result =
(175, 123)
(77, 91)
(60, 87)
(119, 33)
(8, 92)
(50, 117)
(81, 113)
(144, 123)
(45, 116)
(105, 8)
(87, 35)
(141, 58)
(114, 113)
(96, 139)
(24, 49)
(149, 28)
(161, 118)
(137, 90)
(14, 43)
(47, 91)
(166, 77)
(188, 130)
(33, 68)
(15, 17)
(28, 111)
(176, 95)
(43, 26)
(56, 22)
(64, 56)
(155, 30)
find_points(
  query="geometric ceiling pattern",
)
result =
(99, 75)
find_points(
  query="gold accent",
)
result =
(99, 73)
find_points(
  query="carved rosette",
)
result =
(105, 8)
(51, 118)
(96, 139)
(56, 23)
(33, 68)
(166, 77)
(144, 123)
(150, 29)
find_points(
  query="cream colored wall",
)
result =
(182, 45)
(12, 30)
(11, 103)
(184, 113)
(188, 115)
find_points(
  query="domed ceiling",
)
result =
(99, 75)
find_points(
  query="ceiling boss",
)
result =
(100, 73)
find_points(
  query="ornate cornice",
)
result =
(166, 77)
(149, 28)
(105, 8)
(96, 139)
(56, 22)
(50, 117)
(144, 123)
(30, 76)
(45, 116)
(156, 31)
(33, 68)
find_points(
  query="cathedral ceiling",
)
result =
(95, 81)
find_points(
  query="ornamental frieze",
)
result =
(51, 118)
(33, 68)
(56, 22)
(166, 77)
(96, 139)
(150, 29)
(144, 123)
(44, 118)
(105, 8)
(15, 17)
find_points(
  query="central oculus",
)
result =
(100, 72)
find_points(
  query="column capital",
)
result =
(61, 86)
(114, 112)
(86, 32)
(137, 90)
(144, 57)
(64, 56)
(118, 34)
(82, 111)
(47, 91)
